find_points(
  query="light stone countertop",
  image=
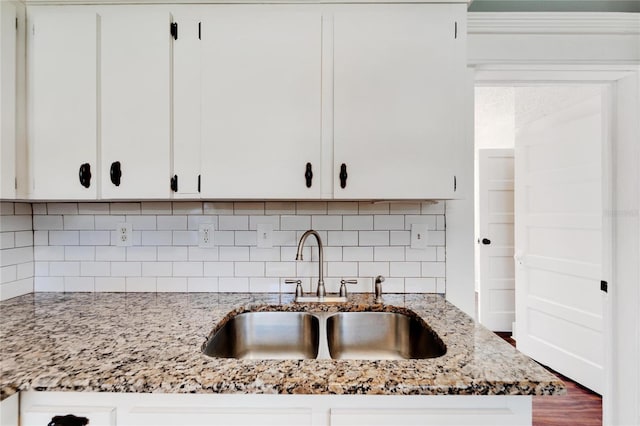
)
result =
(150, 342)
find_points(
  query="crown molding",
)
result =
(578, 23)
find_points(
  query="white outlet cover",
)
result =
(264, 235)
(124, 235)
(419, 236)
(206, 235)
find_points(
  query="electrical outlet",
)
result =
(124, 237)
(205, 235)
(419, 236)
(265, 235)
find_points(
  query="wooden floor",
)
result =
(579, 406)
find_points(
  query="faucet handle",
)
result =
(343, 287)
(298, 286)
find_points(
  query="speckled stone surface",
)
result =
(150, 342)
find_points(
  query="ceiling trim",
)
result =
(576, 23)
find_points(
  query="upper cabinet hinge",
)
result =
(174, 30)
(455, 30)
(199, 30)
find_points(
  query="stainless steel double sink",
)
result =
(324, 335)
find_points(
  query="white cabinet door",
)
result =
(398, 87)
(261, 101)
(135, 108)
(186, 106)
(8, 61)
(62, 100)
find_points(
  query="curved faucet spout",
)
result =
(320, 292)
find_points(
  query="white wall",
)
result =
(74, 246)
(16, 250)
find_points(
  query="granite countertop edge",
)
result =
(150, 343)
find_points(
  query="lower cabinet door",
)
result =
(41, 415)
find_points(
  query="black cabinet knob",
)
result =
(343, 176)
(115, 173)
(308, 175)
(174, 183)
(68, 420)
(486, 241)
(85, 175)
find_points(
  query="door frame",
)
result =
(522, 75)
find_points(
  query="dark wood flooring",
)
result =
(579, 406)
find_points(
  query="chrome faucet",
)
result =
(378, 289)
(320, 292)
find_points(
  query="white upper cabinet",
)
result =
(186, 106)
(8, 62)
(261, 94)
(135, 102)
(398, 78)
(62, 102)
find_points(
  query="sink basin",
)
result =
(380, 335)
(266, 335)
(324, 335)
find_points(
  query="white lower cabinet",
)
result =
(129, 409)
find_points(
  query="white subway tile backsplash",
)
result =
(361, 239)
(24, 239)
(94, 238)
(399, 238)
(48, 283)
(110, 284)
(388, 222)
(15, 256)
(80, 253)
(201, 285)
(245, 238)
(232, 285)
(125, 208)
(8, 240)
(333, 223)
(64, 238)
(187, 207)
(22, 209)
(404, 269)
(7, 208)
(156, 207)
(295, 223)
(171, 285)
(111, 253)
(95, 269)
(357, 223)
(141, 254)
(93, 208)
(198, 254)
(218, 269)
(172, 222)
(157, 269)
(187, 269)
(64, 269)
(388, 254)
(233, 223)
(357, 254)
(249, 269)
(140, 284)
(62, 208)
(8, 273)
(45, 223)
(264, 254)
(172, 254)
(165, 238)
(373, 238)
(78, 222)
(126, 269)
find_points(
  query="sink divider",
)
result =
(323, 342)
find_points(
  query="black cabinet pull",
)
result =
(115, 173)
(308, 175)
(68, 420)
(486, 241)
(174, 183)
(199, 183)
(85, 175)
(343, 176)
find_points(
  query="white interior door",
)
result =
(496, 308)
(559, 240)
